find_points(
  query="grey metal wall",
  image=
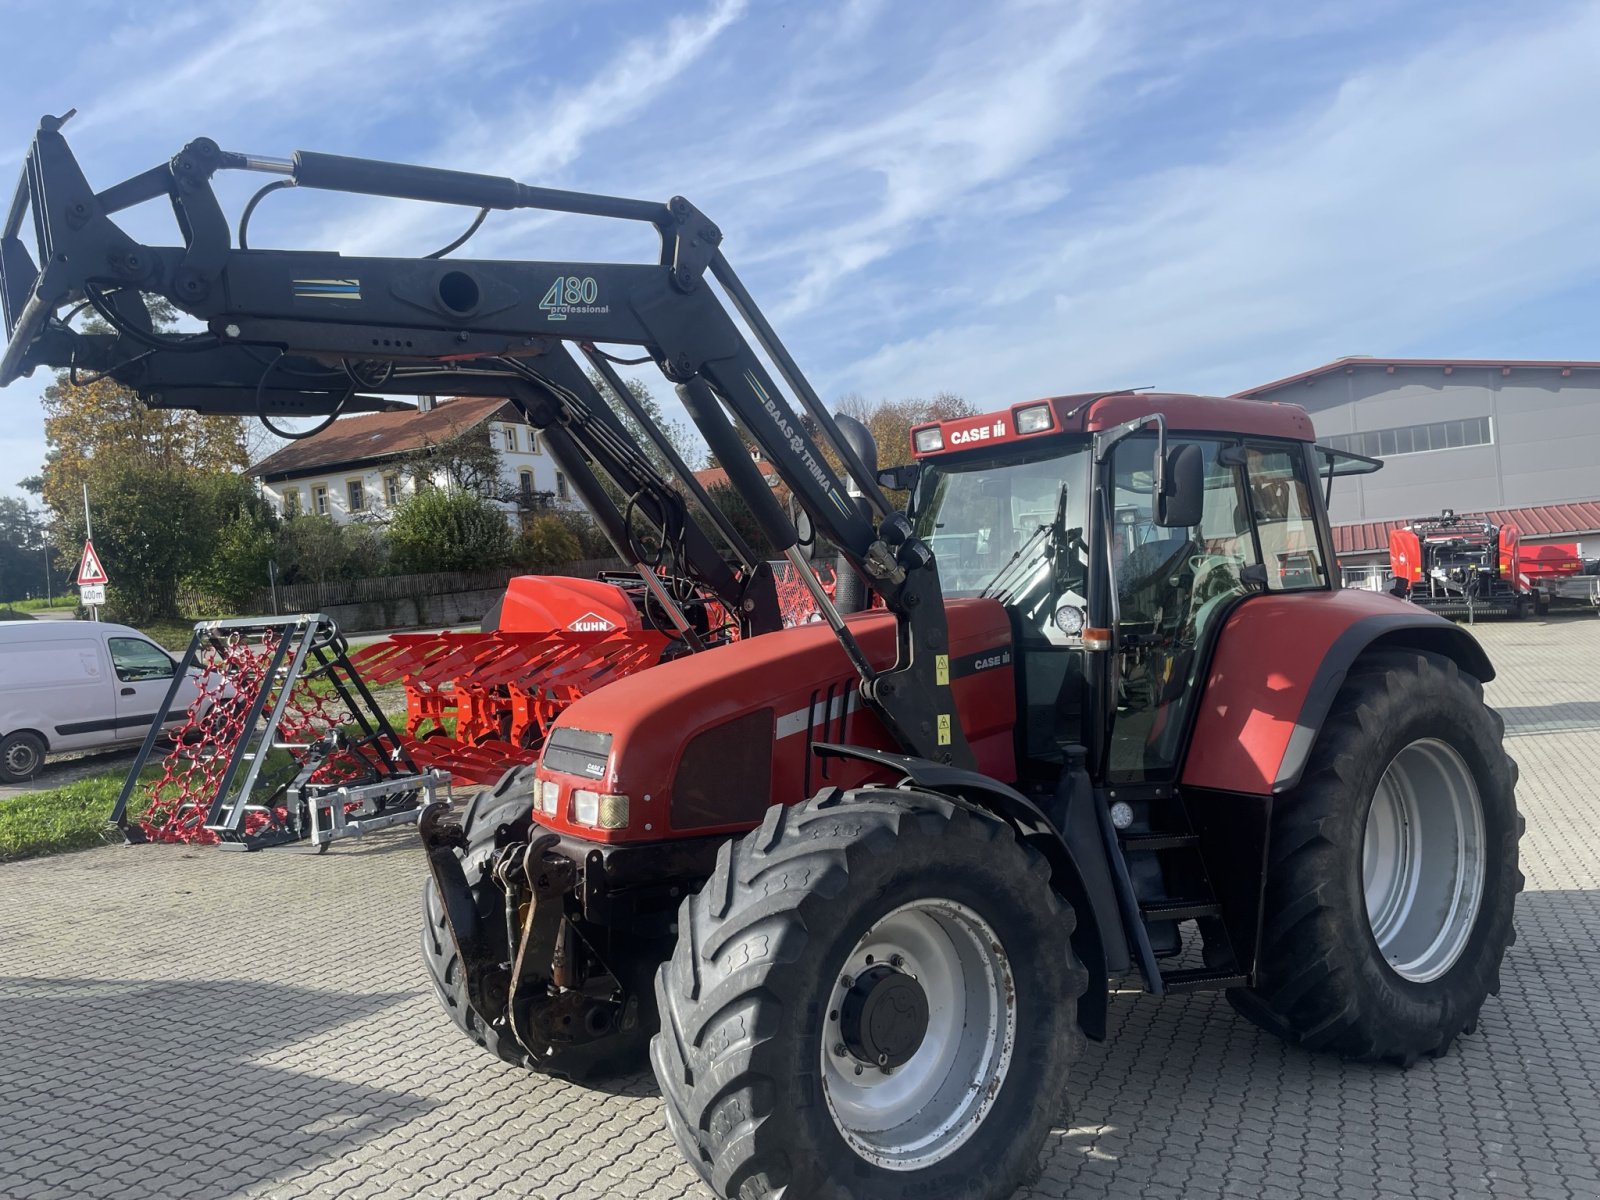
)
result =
(1546, 436)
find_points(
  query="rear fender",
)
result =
(1278, 664)
(1033, 827)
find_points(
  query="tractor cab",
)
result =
(1118, 532)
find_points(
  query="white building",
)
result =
(355, 469)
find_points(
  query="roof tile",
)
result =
(381, 435)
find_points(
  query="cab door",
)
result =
(143, 673)
(1173, 586)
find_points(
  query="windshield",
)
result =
(992, 524)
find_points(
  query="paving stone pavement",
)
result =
(187, 1023)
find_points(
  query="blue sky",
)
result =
(997, 199)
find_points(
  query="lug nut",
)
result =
(846, 982)
(840, 1050)
(897, 960)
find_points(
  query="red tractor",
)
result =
(860, 885)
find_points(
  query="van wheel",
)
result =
(21, 756)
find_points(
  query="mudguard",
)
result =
(1279, 661)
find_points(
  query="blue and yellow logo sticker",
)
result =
(327, 289)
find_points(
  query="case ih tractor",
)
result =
(858, 886)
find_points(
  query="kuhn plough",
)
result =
(479, 702)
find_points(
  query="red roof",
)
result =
(1543, 523)
(352, 440)
(716, 476)
(1349, 363)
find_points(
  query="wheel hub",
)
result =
(884, 1017)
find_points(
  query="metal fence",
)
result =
(313, 597)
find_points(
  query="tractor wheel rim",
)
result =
(21, 759)
(908, 1116)
(1422, 861)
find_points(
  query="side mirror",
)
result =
(901, 478)
(1181, 493)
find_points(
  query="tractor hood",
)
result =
(704, 744)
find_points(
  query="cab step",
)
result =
(1202, 979)
(1179, 910)
(1159, 841)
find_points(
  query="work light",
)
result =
(1033, 419)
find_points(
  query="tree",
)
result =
(153, 528)
(102, 427)
(732, 503)
(547, 541)
(246, 541)
(677, 434)
(146, 471)
(448, 529)
(465, 459)
(21, 546)
(313, 549)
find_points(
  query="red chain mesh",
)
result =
(231, 675)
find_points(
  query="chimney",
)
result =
(425, 403)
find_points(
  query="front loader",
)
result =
(860, 885)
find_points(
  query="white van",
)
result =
(77, 685)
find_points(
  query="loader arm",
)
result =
(311, 331)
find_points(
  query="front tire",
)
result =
(1392, 869)
(21, 756)
(873, 995)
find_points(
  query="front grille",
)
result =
(577, 752)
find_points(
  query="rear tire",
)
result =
(772, 976)
(509, 805)
(1392, 869)
(21, 756)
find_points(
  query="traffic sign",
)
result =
(90, 570)
(92, 593)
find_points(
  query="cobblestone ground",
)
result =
(178, 1023)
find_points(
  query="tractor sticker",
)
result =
(797, 443)
(982, 433)
(327, 289)
(572, 295)
(591, 622)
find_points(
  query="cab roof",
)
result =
(1091, 412)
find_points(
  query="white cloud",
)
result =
(1426, 192)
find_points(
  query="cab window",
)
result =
(135, 660)
(1280, 504)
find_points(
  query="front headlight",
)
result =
(609, 811)
(547, 797)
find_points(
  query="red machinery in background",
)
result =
(479, 702)
(1462, 566)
